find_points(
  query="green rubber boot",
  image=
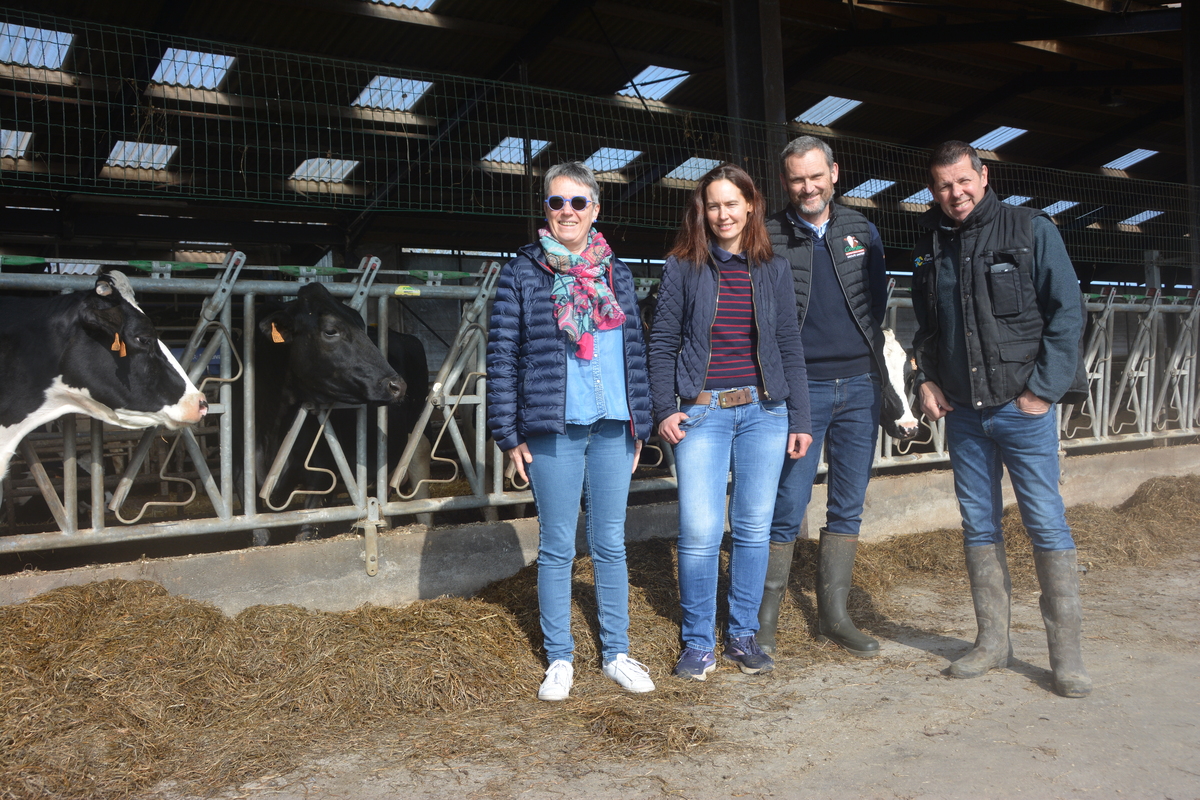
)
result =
(1062, 612)
(779, 566)
(991, 592)
(835, 563)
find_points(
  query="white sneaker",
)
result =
(629, 674)
(559, 679)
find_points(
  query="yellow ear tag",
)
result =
(276, 336)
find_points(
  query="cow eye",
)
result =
(143, 341)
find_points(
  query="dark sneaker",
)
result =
(695, 664)
(745, 652)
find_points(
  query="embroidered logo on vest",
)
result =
(920, 261)
(854, 248)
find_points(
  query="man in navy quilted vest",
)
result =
(999, 320)
(841, 296)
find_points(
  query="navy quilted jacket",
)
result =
(679, 340)
(527, 355)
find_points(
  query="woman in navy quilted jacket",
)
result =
(568, 401)
(730, 394)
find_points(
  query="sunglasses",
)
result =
(578, 202)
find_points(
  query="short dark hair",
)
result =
(951, 152)
(801, 146)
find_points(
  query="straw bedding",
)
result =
(111, 689)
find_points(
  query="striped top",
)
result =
(733, 337)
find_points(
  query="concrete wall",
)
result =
(416, 563)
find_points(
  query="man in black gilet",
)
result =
(999, 320)
(841, 296)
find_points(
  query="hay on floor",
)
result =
(110, 689)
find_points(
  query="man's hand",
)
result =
(1030, 403)
(798, 444)
(933, 403)
(669, 428)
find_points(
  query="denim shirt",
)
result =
(596, 388)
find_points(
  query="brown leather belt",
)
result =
(727, 399)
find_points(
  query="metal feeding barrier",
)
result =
(1139, 351)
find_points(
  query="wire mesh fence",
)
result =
(88, 108)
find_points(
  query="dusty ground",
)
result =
(891, 727)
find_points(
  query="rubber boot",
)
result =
(1058, 575)
(991, 592)
(835, 563)
(779, 566)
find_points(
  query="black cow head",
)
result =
(330, 357)
(120, 363)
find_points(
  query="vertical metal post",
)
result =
(97, 476)
(225, 426)
(249, 326)
(71, 475)
(383, 322)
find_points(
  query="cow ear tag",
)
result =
(118, 345)
(276, 336)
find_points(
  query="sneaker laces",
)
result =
(748, 645)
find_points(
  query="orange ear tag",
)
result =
(117, 344)
(276, 336)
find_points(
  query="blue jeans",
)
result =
(980, 442)
(845, 416)
(752, 439)
(595, 461)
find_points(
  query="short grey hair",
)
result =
(951, 152)
(802, 145)
(577, 171)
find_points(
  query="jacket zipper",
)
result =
(766, 395)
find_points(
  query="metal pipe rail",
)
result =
(1142, 387)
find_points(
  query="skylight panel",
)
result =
(655, 83)
(1129, 159)
(828, 111)
(1059, 207)
(997, 138)
(694, 169)
(326, 170)
(13, 144)
(1017, 199)
(141, 155)
(607, 159)
(419, 5)
(923, 197)
(392, 94)
(870, 188)
(512, 150)
(192, 69)
(1138, 219)
(33, 47)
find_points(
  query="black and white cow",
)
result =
(316, 350)
(896, 414)
(91, 352)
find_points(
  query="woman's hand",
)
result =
(520, 456)
(669, 428)
(637, 454)
(798, 444)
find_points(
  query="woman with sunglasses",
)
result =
(568, 401)
(730, 394)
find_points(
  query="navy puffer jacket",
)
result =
(680, 338)
(527, 353)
